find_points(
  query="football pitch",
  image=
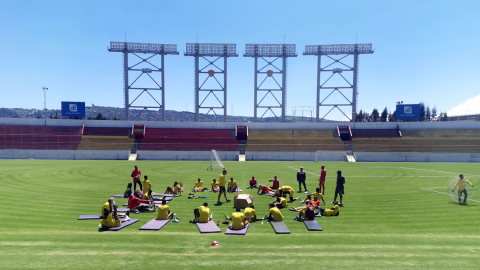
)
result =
(395, 216)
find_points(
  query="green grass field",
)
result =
(414, 229)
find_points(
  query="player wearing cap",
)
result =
(222, 183)
(323, 175)
(301, 176)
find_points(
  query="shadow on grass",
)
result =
(463, 205)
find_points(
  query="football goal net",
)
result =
(460, 190)
(215, 161)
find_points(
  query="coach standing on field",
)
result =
(301, 176)
(339, 189)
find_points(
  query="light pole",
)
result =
(45, 89)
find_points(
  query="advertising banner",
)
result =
(408, 111)
(73, 109)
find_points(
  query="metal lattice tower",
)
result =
(340, 49)
(267, 52)
(211, 52)
(143, 48)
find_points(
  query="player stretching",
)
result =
(323, 175)
(461, 189)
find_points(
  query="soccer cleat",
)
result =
(229, 200)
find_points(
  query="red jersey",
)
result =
(253, 182)
(136, 175)
(315, 203)
(134, 201)
(276, 183)
(323, 174)
(264, 189)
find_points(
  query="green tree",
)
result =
(374, 115)
(422, 112)
(434, 113)
(392, 117)
(359, 116)
(384, 115)
(427, 114)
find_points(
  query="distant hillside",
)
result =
(114, 113)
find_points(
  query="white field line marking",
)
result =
(438, 171)
(444, 193)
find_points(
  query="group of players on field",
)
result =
(141, 199)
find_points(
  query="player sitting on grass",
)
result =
(138, 193)
(317, 194)
(134, 204)
(274, 213)
(281, 202)
(253, 183)
(461, 188)
(263, 189)
(315, 202)
(129, 191)
(306, 213)
(222, 183)
(214, 186)
(275, 183)
(232, 185)
(201, 214)
(199, 186)
(239, 220)
(112, 220)
(334, 211)
(164, 211)
(284, 190)
(176, 190)
(148, 195)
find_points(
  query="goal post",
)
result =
(215, 161)
(318, 155)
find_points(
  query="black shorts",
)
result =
(222, 189)
(339, 190)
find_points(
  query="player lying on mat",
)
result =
(253, 183)
(199, 186)
(134, 204)
(334, 211)
(275, 183)
(164, 211)
(317, 194)
(112, 220)
(307, 212)
(284, 190)
(250, 214)
(461, 183)
(177, 188)
(215, 187)
(202, 214)
(263, 189)
(232, 185)
(274, 213)
(239, 220)
(129, 191)
(280, 202)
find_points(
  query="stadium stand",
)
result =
(39, 137)
(178, 139)
(291, 140)
(102, 131)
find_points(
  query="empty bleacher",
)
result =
(105, 143)
(39, 137)
(178, 139)
(102, 131)
(293, 140)
(375, 133)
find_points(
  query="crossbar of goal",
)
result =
(217, 163)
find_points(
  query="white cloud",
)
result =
(471, 106)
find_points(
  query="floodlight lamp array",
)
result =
(270, 50)
(211, 49)
(142, 47)
(365, 48)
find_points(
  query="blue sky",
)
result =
(425, 51)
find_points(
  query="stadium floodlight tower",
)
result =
(211, 52)
(339, 49)
(143, 48)
(268, 52)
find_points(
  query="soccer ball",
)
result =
(214, 243)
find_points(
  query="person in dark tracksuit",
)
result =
(301, 176)
(340, 189)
